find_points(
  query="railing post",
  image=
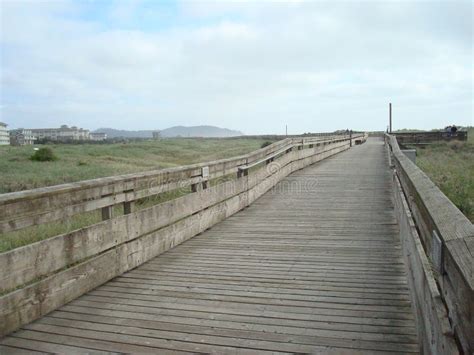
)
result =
(350, 137)
(300, 147)
(107, 212)
(128, 206)
(204, 184)
(242, 172)
(205, 176)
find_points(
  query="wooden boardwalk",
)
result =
(312, 266)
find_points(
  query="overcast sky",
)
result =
(247, 65)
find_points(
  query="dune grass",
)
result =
(450, 166)
(89, 161)
(80, 162)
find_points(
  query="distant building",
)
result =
(21, 136)
(4, 136)
(98, 136)
(64, 133)
(156, 135)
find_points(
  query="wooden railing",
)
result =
(40, 277)
(428, 137)
(439, 246)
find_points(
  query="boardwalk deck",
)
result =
(312, 266)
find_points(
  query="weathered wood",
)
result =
(24, 305)
(428, 137)
(88, 195)
(272, 277)
(34, 207)
(127, 241)
(55, 253)
(433, 212)
(433, 324)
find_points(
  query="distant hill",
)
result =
(118, 133)
(177, 131)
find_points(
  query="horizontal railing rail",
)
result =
(40, 277)
(429, 137)
(34, 207)
(447, 237)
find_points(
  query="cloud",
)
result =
(252, 66)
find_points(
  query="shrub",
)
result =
(265, 144)
(44, 154)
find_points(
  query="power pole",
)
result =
(390, 117)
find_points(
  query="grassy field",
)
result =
(451, 167)
(88, 161)
(80, 162)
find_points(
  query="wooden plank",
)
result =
(32, 207)
(55, 253)
(277, 338)
(14, 345)
(355, 317)
(211, 342)
(234, 290)
(78, 343)
(127, 252)
(14, 350)
(43, 215)
(433, 323)
(38, 206)
(433, 211)
(24, 305)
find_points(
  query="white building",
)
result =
(64, 133)
(98, 136)
(21, 136)
(4, 136)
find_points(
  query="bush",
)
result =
(265, 144)
(44, 154)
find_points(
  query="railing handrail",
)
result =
(40, 277)
(448, 239)
(102, 181)
(18, 209)
(97, 182)
(460, 226)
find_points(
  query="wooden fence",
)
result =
(438, 242)
(37, 278)
(428, 137)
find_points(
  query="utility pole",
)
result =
(390, 118)
(286, 130)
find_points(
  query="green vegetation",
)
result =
(265, 144)
(451, 166)
(80, 162)
(44, 154)
(33, 234)
(89, 161)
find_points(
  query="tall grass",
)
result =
(79, 162)
(450, 165)
(88, 161)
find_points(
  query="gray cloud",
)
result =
(315, 66)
